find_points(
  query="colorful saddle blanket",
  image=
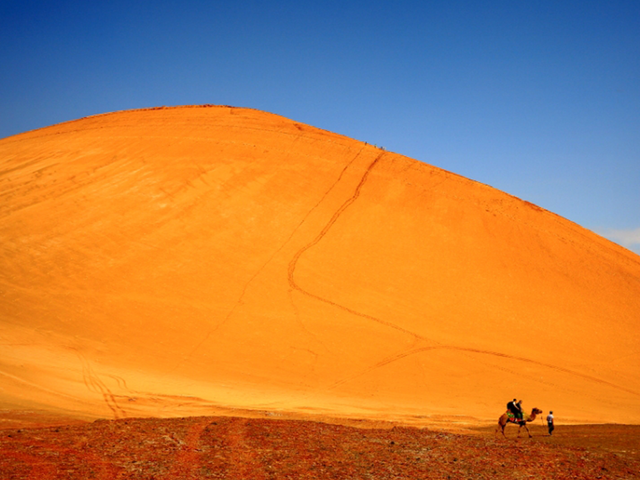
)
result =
(512, 418)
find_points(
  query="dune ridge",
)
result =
(187, 260)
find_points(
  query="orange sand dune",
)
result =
(177, 261)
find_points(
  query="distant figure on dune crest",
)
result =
(550, 424)
(509, 417)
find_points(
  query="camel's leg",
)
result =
(523, 424)
(502, 423)
(501, 426)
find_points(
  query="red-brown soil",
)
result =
(259, 448)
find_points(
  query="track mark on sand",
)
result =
(327, 227)
(294, 261)
(239, 302)
(94, 384)
(399, 356)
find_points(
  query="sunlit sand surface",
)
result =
(197, 260)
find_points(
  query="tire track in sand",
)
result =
(294, 261)
(413, 351)
(94, 384)
(243, 293)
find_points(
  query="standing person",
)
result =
(550, 422)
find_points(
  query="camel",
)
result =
(504, 419)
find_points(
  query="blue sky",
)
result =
(540, 99)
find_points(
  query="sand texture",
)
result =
(183, 261)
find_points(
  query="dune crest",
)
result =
(176, 261)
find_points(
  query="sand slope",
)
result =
(172, 261)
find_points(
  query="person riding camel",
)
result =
(515, 408)
(512, 407)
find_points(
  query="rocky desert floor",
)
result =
(265, 448)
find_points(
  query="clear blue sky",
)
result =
(540, 99)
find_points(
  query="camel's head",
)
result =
(536, 411)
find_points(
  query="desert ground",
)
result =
(262, 448)
(192, 262)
